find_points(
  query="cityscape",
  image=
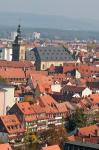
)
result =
(49, 75)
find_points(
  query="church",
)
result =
(44, 57)
(18, 47)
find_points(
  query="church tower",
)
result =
(18, 46)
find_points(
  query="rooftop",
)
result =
(49, 54)
(53, 147)
(84, 144)
(5, 146)
(16, 64)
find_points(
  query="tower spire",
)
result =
(18, 37)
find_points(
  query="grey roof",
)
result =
(49, 54)
(30, 55)
(84, 144)
(2, 86)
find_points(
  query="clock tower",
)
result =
(19, 47)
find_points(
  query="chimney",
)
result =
(83, 139)
(89, 135)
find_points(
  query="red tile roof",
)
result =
(12, 73)
(51, 106)
(89, 130)
(53, 147)
(30, 118)
(47, 100)
(45, 104)
(5, 147)
(95, 98)
(73, 88)
(62, 107)
(25, 108)
(16, 64)
(72, 138)
(12, 124)
(41, 79)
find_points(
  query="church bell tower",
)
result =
(18, 46)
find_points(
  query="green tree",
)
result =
(1, 142)
(30, 137)
(2, 80)
(77, 120)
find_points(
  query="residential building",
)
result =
(36, 35)
(71, 90)
(24, 65)
(40, 115)
(7, 98)
(32, 117)
(2, 101)
(11, 129)
(13, 76)
(6, 53)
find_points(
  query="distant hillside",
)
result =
(5, 32)
(53, 22)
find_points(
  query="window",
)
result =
(43, 66)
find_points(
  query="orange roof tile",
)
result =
(5, 146)
(47, 100)
(89, 130)
(95, 98)
(12, 73)
(53, 147)
(25, 107)
(16, 64)
(12, 124)
(30, 118)
(41, 79)
(62, 107)
(71, 138)
(10, 119)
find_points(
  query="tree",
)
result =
(1, 141)
(30, 137)
(2, 80)
(77, 120)
(28, 99)
(54, 135)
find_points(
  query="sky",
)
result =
(69, 8)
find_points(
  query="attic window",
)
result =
(8, 127)
(13, 120)
(23, 109)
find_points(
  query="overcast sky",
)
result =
(70, 8)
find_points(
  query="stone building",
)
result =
(19, 47)
(44, 57)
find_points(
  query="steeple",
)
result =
(19, 47)
(18, 38)
(19, 30)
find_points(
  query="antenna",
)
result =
(19, 20)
